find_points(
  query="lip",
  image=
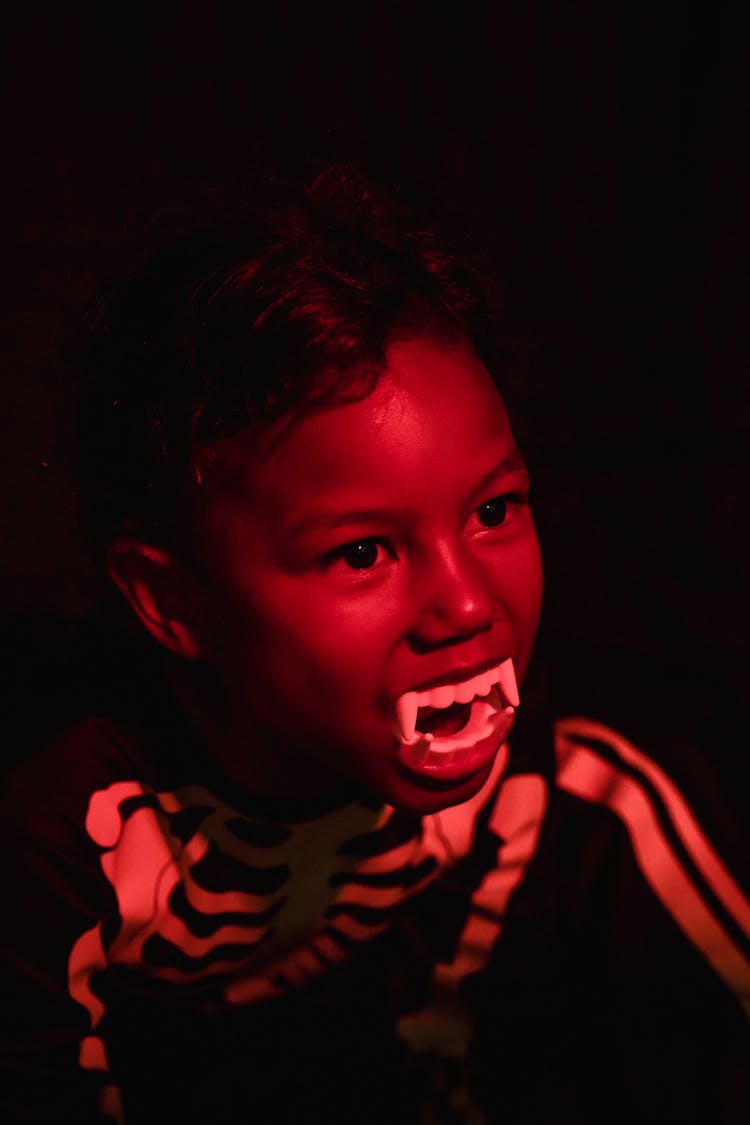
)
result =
(461, 766)
(459, 673)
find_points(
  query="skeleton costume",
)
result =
(569, 945)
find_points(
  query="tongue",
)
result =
(447, 720)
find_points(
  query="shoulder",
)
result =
(693, 878)
(654, 794)
(600, 765)
(47, 793)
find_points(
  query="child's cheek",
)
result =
(518, 587)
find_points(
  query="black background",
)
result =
(597, 151)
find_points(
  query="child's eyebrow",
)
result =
(319, 524)
(513, 463)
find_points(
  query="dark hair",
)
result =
(261, 316)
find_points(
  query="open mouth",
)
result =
(445, 721)
(446, 709)
(456, 729)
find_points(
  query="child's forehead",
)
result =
(434, 409)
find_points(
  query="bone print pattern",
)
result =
(203, 891)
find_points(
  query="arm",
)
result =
(615, 992)
(54, 1064)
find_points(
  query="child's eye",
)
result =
(500, 509)
(362, 555)
(493, 513)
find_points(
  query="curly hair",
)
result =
(267, 314)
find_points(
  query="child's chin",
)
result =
(426, 795)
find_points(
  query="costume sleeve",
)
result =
(54, 1066)
(673, 851)
(617, 987)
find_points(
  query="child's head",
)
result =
(304, 481)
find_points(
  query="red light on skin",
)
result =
(375, 546)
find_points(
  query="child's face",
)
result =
(378, 546)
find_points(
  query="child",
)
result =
(308, 857)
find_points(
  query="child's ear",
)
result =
(161, 592)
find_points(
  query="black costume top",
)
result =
(567, 946)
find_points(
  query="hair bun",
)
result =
(343, 196)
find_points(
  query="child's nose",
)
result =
(454, 599)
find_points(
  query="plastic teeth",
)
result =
(406, 712)
(506, 679)
(444, 696)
